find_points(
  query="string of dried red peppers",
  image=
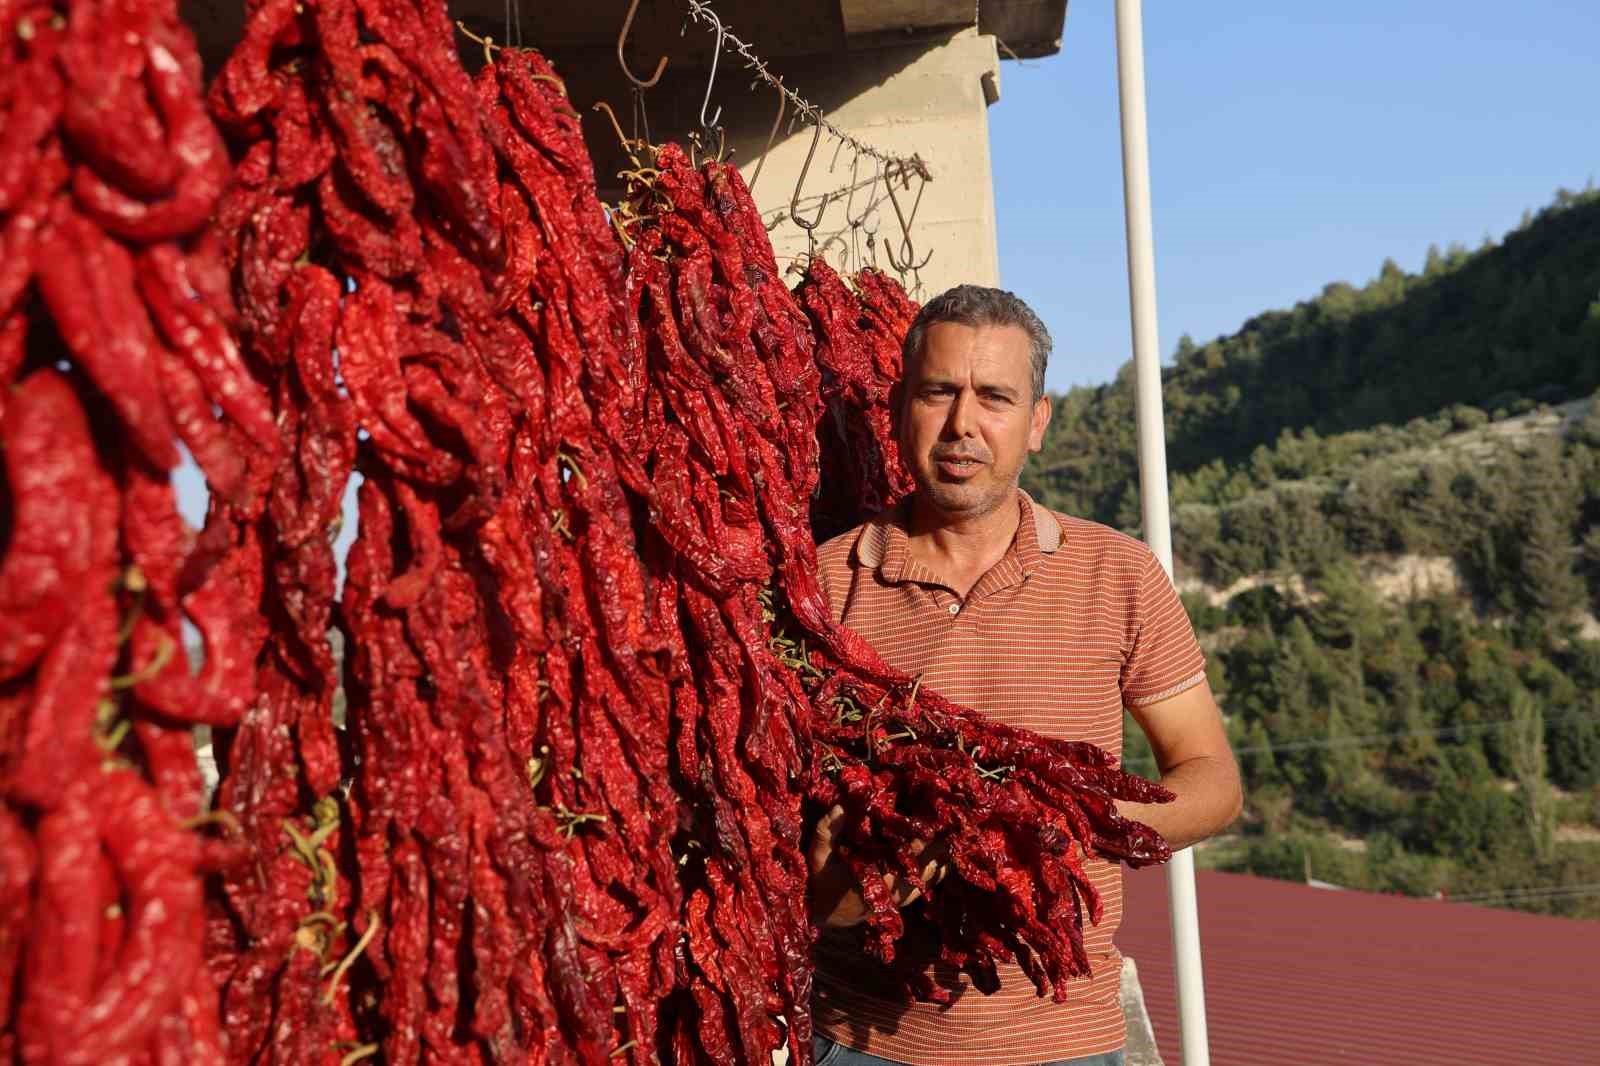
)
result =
(115, 347)
(584, 733)
(858, 335)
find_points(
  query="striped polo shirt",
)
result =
(1075, 622)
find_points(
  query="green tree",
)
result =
(1465, 815)
(1572, 740)
(1435, 263)
(1591, 565)
(1256, 761)
(1549, 582)
(1525, 748)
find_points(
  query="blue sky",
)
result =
(1291, 145)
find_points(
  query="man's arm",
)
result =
(1191, 749)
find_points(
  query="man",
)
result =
(1038, 619)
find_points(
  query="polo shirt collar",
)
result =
(883, 545)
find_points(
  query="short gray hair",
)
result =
(976, 305)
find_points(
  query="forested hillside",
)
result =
(1387, 524)
(1513, 322)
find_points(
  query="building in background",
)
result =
(1313, 976)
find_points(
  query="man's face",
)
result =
(967, 417)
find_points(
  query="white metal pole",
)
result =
(1182, 903)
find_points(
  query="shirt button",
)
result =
(955, 608)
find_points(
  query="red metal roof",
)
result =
(1302, 976)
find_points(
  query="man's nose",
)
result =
(962, 421)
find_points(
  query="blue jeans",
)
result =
(827, 1053)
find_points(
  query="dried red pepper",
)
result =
(108, 168)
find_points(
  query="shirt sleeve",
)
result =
(1166, 658)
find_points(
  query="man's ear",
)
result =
(1040, 421)
(897, 399)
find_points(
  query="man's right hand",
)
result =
(836, 901)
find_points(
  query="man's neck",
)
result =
(961, 548)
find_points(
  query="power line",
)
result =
(1373, 740)
(1531, 893)
(702, 12)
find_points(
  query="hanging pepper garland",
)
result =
(112, 352)
(594, 693)
(858, 334)
(514, 885)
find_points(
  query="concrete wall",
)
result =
(929, 99)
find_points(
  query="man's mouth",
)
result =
(958, 465)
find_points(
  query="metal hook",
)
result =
(696, 146)
(908, 266)
(640, 115)
(907, 249)
(872, 246)
(837, 238)
(794, 201)
(704, 125)
(622, 37)
(856, 222)
(772, 135)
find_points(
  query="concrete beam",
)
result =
(1026, 28)
(863, 17)
(777, 28)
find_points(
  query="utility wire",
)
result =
(1374, 740)
(1536, 892)
(703, 13)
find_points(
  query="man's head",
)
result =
(971, 402)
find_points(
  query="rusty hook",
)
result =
(622, 38)
(794, 201)
(907, 249)
(854, 222)
(772, 135)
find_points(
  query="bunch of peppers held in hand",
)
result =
(594, 694)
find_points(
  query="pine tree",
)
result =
(1258, 763)
(1524, 744)
(1435, 262)
(1591, 563)
(1548, 581)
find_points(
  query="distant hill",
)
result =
(1513, 322)
(1386, 511)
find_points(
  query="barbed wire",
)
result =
(702, 12)
(875, 199)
